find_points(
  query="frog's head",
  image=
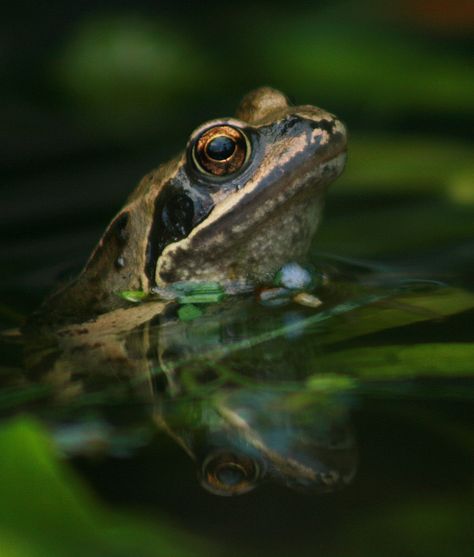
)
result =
(249, 191)
(242, 199)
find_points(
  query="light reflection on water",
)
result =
(250, 393)
(320, 419)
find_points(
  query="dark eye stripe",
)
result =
(173, 220)
(176, 213)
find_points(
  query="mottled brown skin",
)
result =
(242, 226)
(184, 224)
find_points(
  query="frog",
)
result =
(244, 197)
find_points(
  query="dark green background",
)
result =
(94, 95)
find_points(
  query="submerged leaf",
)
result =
(46, 511)
(188, 312)
(401, 362)
(208, 298)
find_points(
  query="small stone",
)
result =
(274, 296)
(308, 300)
(270, 293)
(293, 276)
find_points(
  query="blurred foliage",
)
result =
(402, 195)
(410, 166)
(122, 67)
(45, 510)
(400, 311)
(406, 95)
(366, 68)
(123, 70)
(396, 228)
(402, 361)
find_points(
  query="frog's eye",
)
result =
(226, 473)
(221, 150)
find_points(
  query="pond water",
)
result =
(337, 423)
(271, 428)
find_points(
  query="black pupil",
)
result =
(220, 148)
(230, 475)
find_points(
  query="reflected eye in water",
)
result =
(229, 473)
(221, 150)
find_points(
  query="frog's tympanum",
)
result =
(243, 198)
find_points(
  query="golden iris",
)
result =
(221, 150)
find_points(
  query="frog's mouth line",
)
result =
(272, 195)
(306, 164)
(231, 228)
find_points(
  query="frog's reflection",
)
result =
(247, 436)
(228, 473)
(245, 416)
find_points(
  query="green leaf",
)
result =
(189, 312)
(388, 165)
(402, 362)
(329, 382)
(133, 295)
(338, 62)
(399, 311)
(201, 298)
(46, 510)
(199, 292)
